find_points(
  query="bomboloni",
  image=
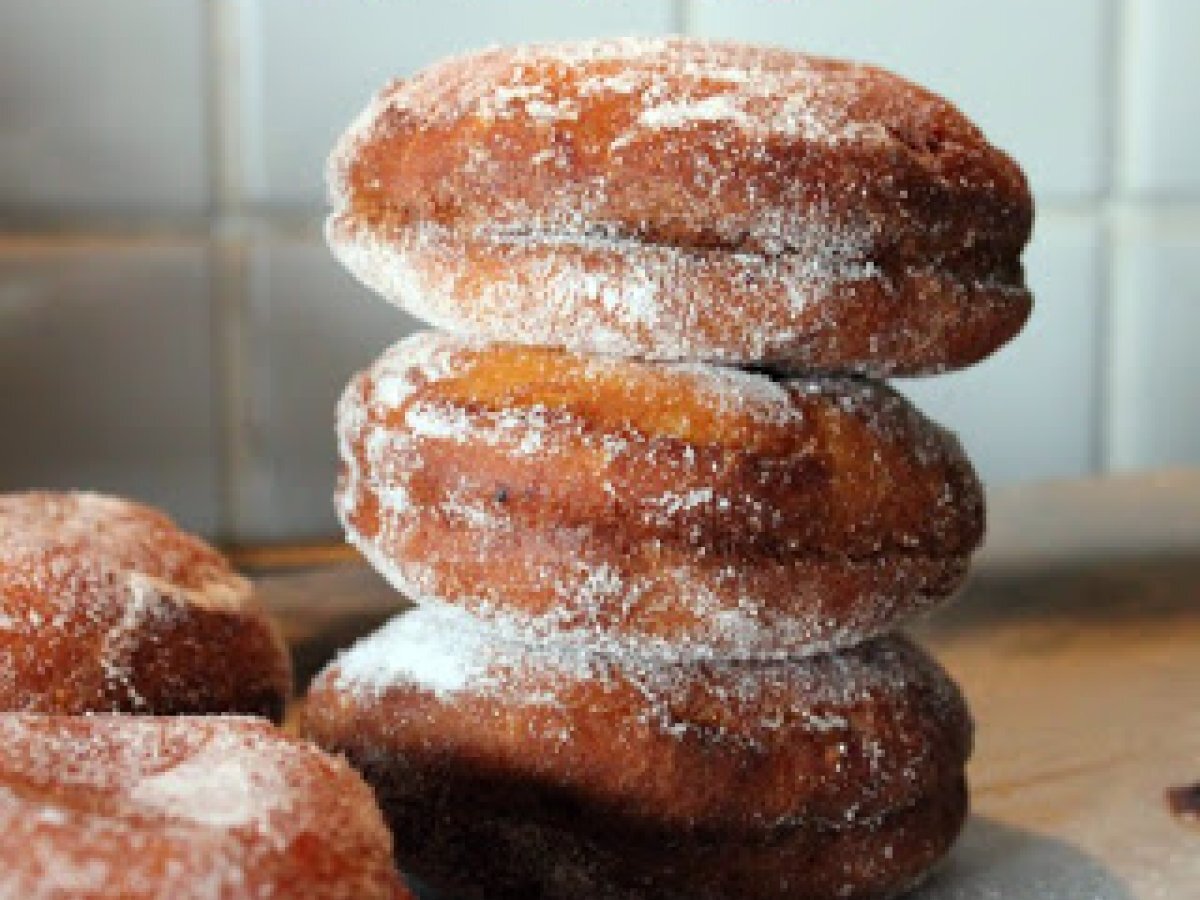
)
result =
(681, 199)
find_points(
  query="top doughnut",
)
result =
(681, 199)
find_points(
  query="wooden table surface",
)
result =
(1078, 645)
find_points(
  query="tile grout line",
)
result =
(227, 260)
(681, 14)
(303, 221)
(1115, 211)
(69, 226)
(1101, 362)
(1103, 354)
(1122, 43)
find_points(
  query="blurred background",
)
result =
(172, 327)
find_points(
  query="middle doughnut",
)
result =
(695, 509)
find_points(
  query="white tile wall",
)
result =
(153, 102)
(1163, 111)
(313, 66)
(1032, 74)
(1032, 410)
(309, 329)
(102, 105)
(1156, 333)
(106, 372)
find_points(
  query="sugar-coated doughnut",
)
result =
(699, 509)
(105, 605)
(109, 806)
(452, 720)
(683, 199)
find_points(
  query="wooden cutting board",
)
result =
(1083, 671)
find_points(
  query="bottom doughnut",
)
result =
(513, 768)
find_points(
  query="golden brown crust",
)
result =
(106, 606)
(722, 202)
(139, 807)
(710, 747)
(721, 510)
(663, 599)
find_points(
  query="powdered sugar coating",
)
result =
(828, 310)
(110, 806)
(88, 583)
(444, 650)
(686, 508)
(676, 199)
(447, 651)
(660, 601)
(676, 84)
(63, 542)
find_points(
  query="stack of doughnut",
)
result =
(125, 645)
(660, 517)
